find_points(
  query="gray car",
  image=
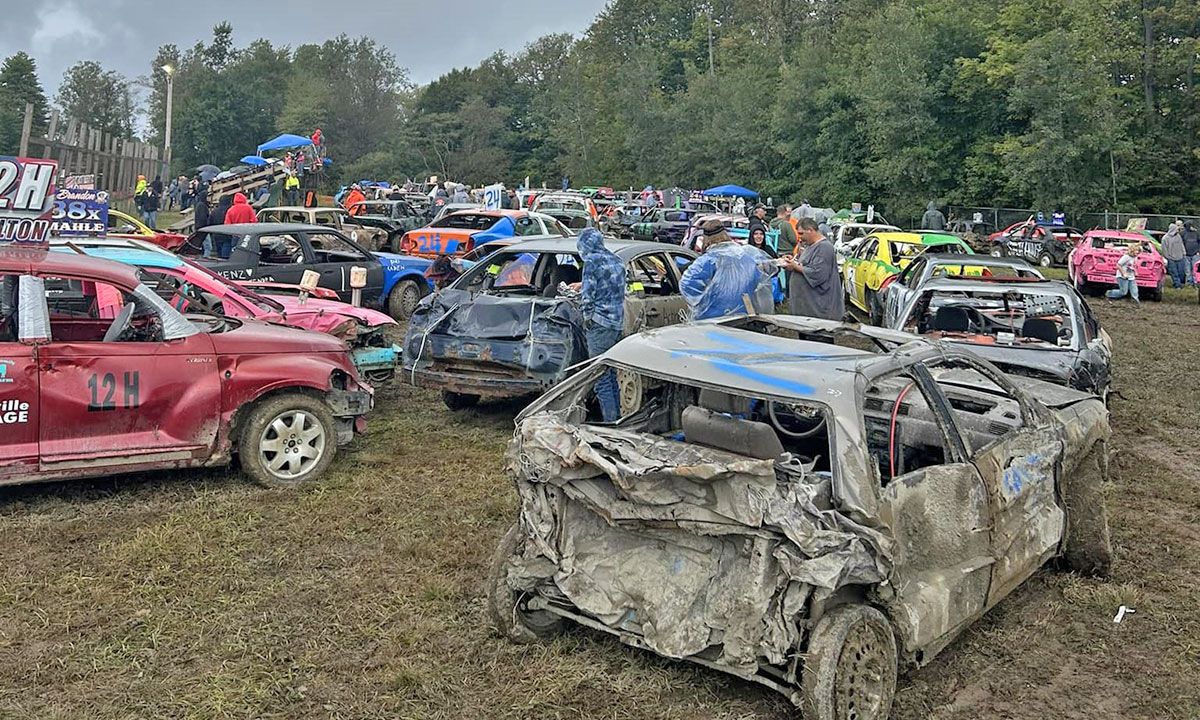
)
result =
(895, 295)
(790, 504)
(510, 326)
(1038, 328)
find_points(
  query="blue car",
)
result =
(404, 283)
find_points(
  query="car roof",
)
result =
(1122, 234)
(979, 260)
(761, 365)
(265, 228)
(567, 246)
(301, 208)
(41, 261)
(967, 284)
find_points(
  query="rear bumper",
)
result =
(484, 386)
(1110, 279)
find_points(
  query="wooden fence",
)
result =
(83, 150)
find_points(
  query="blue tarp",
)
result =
(254, 160)
(284, 142)
(730, 191)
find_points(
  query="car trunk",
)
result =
(496, 335)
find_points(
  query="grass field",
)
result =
(198, 595)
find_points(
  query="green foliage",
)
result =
(19, 85)
(99, 97)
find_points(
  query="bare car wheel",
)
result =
(850, 669)
(1088, 545)
(287, 440)
(506, 607)
(458, 401)
(403, 300)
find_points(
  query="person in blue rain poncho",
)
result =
(602, 302)
(715, 284)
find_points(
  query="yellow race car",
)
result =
(882, 255)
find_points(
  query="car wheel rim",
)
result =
(292, 444)
(862, 674)
(410, 298)
(1045, 261)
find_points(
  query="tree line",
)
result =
(1079, 105)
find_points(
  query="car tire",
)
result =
(1156, 295)
(1046, 260)
(1087, 546)
(850, 668)
(505, 606)
(997, 251)
(393, 242)
(403, 300)
(459, 401)
(277, 432)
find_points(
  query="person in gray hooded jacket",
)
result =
(1173, 252)
(933, 219)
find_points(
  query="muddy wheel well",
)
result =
(239, 416)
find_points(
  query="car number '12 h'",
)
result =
(104, 387)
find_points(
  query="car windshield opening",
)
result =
(1000, 317)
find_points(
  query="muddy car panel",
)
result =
(164, 392)
(1080, 355)
(474, 339)
(727, 557)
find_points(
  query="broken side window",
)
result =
(903, 433)
(983, 410)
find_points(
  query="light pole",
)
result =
(166, 163)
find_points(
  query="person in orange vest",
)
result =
(352, 199)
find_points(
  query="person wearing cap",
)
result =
(1127, 275)
(353, 198)
(758, 218)
(718, 282)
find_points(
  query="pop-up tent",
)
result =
(284, 142)
(730, 191)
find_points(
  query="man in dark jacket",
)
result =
(758, 219)
(933, 219)
(217, 217)
(1191, 246)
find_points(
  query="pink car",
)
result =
(190, 287)
(1092, 265)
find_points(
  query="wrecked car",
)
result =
(368, 235)
(102, 376)
(788, 506)
(1092, 265)
(1039, 328)
(510, 326)
(191, 288)
(898, 289)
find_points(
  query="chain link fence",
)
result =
(1000, 218)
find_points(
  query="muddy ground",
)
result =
(198, 595)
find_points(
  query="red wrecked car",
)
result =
(1092, 265)
(99, 375)
(189, 286)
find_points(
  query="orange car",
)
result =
(460, 232)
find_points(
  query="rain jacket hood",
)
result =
(603, 294)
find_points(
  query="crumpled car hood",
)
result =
(485, 316)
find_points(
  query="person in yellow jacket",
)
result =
(291, 188)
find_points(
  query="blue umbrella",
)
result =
(730, 191)
(255, 160)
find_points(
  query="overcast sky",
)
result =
(428, 37)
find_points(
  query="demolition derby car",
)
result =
(368, 236)
(1092, 265)
(509, 327)
(897, 290)
(99, 375)
(1039, 328)
(189, 287)
(791, 508)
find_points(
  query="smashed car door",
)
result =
(936, 505)
(1018, 455)
(656, 287)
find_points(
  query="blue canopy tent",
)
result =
(254, 160)
(730, 191)
(284, 142)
